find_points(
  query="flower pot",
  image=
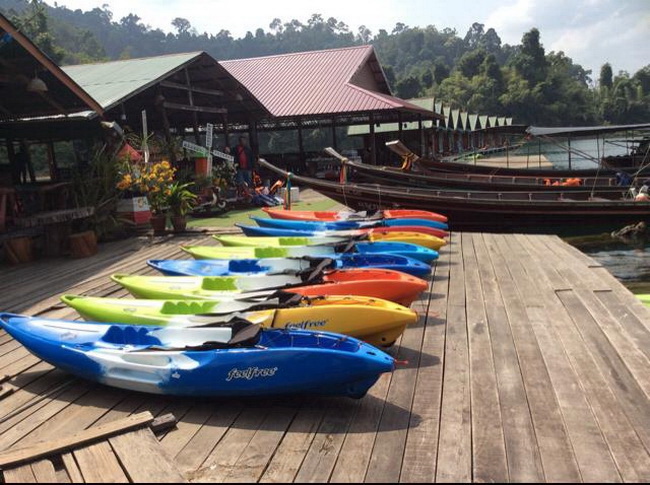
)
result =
(158, 223)
(83, 244)
(179, 223)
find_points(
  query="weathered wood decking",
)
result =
(529, 363)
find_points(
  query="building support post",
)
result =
(373, 141)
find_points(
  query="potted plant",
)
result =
(155, 181)
(180, 200)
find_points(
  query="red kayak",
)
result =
(353, 216)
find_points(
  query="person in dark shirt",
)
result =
(245, 162)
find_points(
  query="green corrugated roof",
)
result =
(111, 82)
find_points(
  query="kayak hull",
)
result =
(384, 284)
(346, 216)
(147, 359)
(377, 322)
(346, 225)
(401, 249)
(222, 267)
(427, 237)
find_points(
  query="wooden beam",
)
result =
(53, 68)
(173, 85)
(194, 109)
(40, 450)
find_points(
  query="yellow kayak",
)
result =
(378, 322)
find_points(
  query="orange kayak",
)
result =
(386, 284)
(353, 216)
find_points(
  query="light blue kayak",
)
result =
(222, 267)
(345, 225)
(414, 251)
(236, 359)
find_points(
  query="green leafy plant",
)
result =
(180, 198)
(94, 185)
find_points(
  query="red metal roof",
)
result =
(323, 82)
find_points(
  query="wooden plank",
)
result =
(321, 457)
(555, 449)
(21, 474)
(143, 459)
(488, 445)
(76, 417)
(44, 471)
(455, 443)
(224, 456)
(71, 468)
(591, 450)
(184, 87)
(39, 450)
(18, 426)
(524, 463)
(254, 459)
(631, 457)
(174, 441)
(98, 464)
(356, 452)
(194, 109)
(194, 454)
(395, 413)
(421, 448)
(625, 386)
(284, 465)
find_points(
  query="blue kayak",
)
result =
(345, 225)
(238, 359)
(221, 267)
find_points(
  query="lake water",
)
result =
(630, 264)
(585, 151)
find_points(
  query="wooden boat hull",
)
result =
(604, 187)
(551, 212)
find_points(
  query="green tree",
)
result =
(530, 62)
(34, 24)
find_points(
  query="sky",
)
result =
(591, 32)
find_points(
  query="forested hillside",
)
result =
(473, 72)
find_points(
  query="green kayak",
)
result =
(245, 241)
(201, 288)
(645, 299)
(220, 252)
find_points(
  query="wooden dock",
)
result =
(530, 362)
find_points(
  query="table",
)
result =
(57, 226)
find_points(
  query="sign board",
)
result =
(203, 151)
(145, 135)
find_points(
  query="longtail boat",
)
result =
(579, 187)
(551, 212)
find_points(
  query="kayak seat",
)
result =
(189, 307)
(219, 284)
(244, 266)
(121, 335)
(293, 241)
(270, 253)
(244, 334)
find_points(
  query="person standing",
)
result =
(245, 162)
